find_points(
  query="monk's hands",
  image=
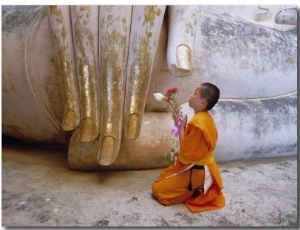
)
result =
(183, 122)
(176, 117)
(181, 128)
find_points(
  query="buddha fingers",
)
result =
(183, 22)
(85, 34)
(114, 28)
(144, 35)
(60, 24)
(127, 35)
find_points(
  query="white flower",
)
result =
(160, 96)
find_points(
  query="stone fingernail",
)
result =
(107, 152)
(69, 121)
(87, 130)
(132, 131)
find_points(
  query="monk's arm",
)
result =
(192, 145)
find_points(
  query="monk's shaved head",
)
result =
(211, 93)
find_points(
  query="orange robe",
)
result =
(197, 147)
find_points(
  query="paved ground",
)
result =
(38, 189)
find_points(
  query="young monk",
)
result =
(195, 179)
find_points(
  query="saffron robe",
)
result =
(196, 147)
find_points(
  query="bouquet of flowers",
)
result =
(169, 97)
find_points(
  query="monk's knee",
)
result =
(157, 192)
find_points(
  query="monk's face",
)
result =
(196, 102)
(195, 98)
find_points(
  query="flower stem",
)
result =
(171, 106)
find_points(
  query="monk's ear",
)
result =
(204, 102)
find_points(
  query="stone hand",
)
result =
(105, 91)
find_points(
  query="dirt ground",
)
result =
(38, 189)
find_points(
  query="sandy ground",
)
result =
(38, 189)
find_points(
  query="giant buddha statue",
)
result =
(84, 77)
